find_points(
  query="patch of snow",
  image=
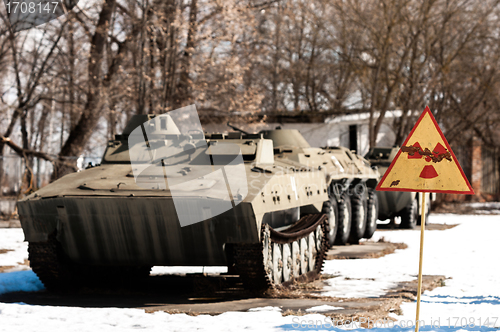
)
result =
(63, 319)
(182, 270)
(13, 239)
(360, 287)
(490, 205)
(467, 253)
(443, 219)
(485, 207)
(487, 211)
(324, 307)
(268, 308)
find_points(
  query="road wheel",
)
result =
(344, 220)
(287, 262)
(318, 235)
(312, 252)
(267, 253)
(277, 264)
(409, 215)
(296, 260)
(330, 208)
(359, 207)
(304, 254)
(372, 216)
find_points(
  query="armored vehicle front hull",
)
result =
(138, 231)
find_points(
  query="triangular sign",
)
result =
(425, 163)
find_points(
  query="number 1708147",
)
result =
(472, 322)
(25, 7)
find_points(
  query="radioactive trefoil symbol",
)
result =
(428, 172)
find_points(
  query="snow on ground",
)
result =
(24, 318)
(467, 253)
(20, 278)
(180, 270)
(489, 205)
(13, 239)
(485, 207)
(378, 275)
(324, 307)
(268, 308)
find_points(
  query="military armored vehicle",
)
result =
(155, 201)
(352, 206)
(396, 203)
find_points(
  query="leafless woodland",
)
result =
(69, 85)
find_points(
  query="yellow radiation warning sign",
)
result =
(425, 163)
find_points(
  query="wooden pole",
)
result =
(422, 229)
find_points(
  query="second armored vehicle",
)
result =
(352, 206)
(396, 203)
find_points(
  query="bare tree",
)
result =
(71, 89)
(30, 60)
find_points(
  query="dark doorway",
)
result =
(353, 138)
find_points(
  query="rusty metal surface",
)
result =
(435, 156)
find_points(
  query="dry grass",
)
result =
(5, 268)
(385, 305)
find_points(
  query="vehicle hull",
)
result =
(136, 231)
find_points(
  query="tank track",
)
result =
(45, 260)
(58, 273)
(249, 258)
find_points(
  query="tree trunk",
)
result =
(184, 85)
(7, 133)
(276, 59)
(80, 134)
